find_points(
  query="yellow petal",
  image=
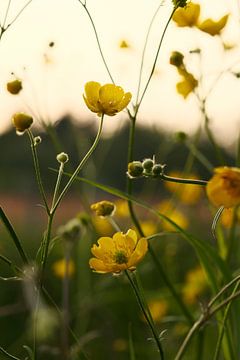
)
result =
(187, 16)
(90, 106)
(92, 93)
(213, 27)
(139, 252)
(125, 101)
(106, 244)
(110, 95)
(98, 265)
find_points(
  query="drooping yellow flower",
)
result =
(188, 194)
(213, 27)
(60, 268)
(187, 16)
(188, 83)
(195, 285)
(223, 189)
(103, 208)
(108, 99)
(22, 122)
(121, 252)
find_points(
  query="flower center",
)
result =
(120, 257)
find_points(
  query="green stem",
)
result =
(199, 156)
(97, 39)
(183, 181)
(37, 170)
(10, 263)
(59, 177)
(14, 236)
(9, 356)
(145, 313)
(79, 167)
(225, 316)
(45, 247)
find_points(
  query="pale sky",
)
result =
(53, 78)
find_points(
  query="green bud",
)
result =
(62, 158)
(157, 169)
(148, 164)
(176, 59)
(181, 136)
(22, 121)
(37, 140)
(135, 169)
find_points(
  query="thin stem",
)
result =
(37, 170)
(9, 356)
(14, 236)
(59, 177)
(45, 247)
(183, 181)
(97, 39)
(225, 288)
(10, 263)
(20, 12)
(155, 62)
(144, 51)
(141, 304)
(6, 14)
(79, 167)
(199, 156)
(65, 297)
(220, 336)
(215, 221)
(114, 224)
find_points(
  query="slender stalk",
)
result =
(59, 177)
(79, 167)
(14, 236)
(65, 297)
(155, 62)
(37, 170)
(199, 156)
(114, 224)
(6, 14)
(19, 13)
(225, 316)
(45, 247)
(97, 38)
(145, 313)
(183, 181)
(9, 356)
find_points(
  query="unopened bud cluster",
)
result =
(148, 167)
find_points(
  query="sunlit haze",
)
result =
(54, 77)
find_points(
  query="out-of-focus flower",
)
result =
(120, 345)
(122, 208)
(61, 269)
(227, 217)
(121, 252)
(187, 16)
(71, 231)
(176, 59)
(46, 322)
(149, 227)
(188, 194)
(124, 44)
(158, 309)
(195, 285)
(188, 83)
(223, 189)
(108, 99)
(102, 226)
(14, 87)
(22, 121)
(175, 215)
(103, 208)
(213, 27)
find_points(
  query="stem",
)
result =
(183, 181)
(145, 313)
(79, 167)
(65, 296)
(37, 170)
(45, 247)
(97, 38)
(9, 356)
(199, 156)
(6, 14)
(14, 236)
(155, 62)
(60, 173)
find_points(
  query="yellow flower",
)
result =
(196, 284)
(108, 99)
(121, 252)
(213, 27)
(187, 16)
(124, 44)
(149, 227)
(158, 309)
(223, 189)
(175, 215)
(103, 208)
(122, 208)
(227, 217)
(188, 84)
(60, 268)
(187, 193)
(102, 226)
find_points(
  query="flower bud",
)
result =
(135, 169)
(37, 140)
(181, 136)
(14, 87)
(71, 231)
(103, 208)
(148, 164)
(176, 59)
(62, 158)
(157, 169)
(22, 121)
(179, 3)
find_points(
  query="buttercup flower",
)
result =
(119, 253)
(187, 85)
(223, 189)
(213, 27)
(60, 268)
(187, 16)
(22, 121)
(108, 99)
(103, 208)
